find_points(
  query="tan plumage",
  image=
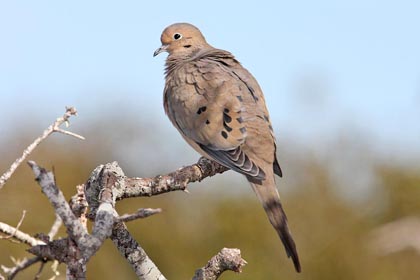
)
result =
(219, 109)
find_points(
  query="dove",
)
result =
(219, 109)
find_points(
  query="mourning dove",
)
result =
(219, 109)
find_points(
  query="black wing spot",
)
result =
(226, 118)
(201, 110)
(207, 122)
(224, 134)
(239, 98)
(228, 128)
(242, 130)
(240, 120)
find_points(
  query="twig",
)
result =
(139, 214)
(70, 111)
(55, 227)
(226, 259)
(41, 267)
(20, 235)
(66, 132)
(54, 269)
(19, 266)
(17, 227)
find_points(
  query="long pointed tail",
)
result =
(268, 195)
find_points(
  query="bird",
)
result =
(219, 108)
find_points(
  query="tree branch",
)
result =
(70, 111)
(139, 214)
(79, 246)
(105, 186)
(226, 259)
(17, 227)
(46, 180)
(55, 227)
(20, 235)
(19, 266)
(142, 265)
(174, 181)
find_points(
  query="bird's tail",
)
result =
(269, 197)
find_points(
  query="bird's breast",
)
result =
(182, 104)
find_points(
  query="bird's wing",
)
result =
(208, 104)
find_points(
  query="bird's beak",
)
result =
(163, 48)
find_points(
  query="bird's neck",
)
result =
(177, 60)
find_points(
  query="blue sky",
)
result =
(326, 67)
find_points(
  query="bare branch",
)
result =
(76, 266)
(17, 227)
(106, 185)
(87, 244)
(142, 265)
(174, 181)
(70, 111)
(54, 250)
(54, 269)
(66, 132)
(139, 214)
(19, 266)
(55, 227)
(105, 214)
(41, 267)
(226, 259)
(46, 180)
(19, 235)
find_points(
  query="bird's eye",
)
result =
(177, 36)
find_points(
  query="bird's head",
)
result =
(181, 39)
